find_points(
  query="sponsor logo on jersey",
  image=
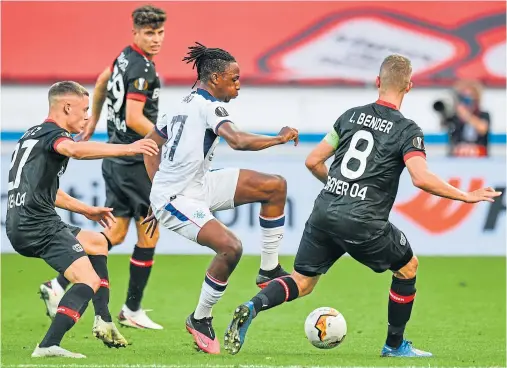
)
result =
(418, 143)
(141, 84)
(78, 248)
(222, 112)
(438, 215)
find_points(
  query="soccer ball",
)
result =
(325, 328)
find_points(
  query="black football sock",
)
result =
(277, 292)
(401, 300)
(62, 281)
(70, 309)
(109, 244)
(101, 298)
(140, 268)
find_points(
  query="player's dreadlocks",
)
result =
(208, 60)
(148, 16)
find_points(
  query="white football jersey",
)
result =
(191, 133)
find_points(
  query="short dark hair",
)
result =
(66, 88)
(208, 60)
(148, 16)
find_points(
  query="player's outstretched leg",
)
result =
(271, 192)
(281, 290)
(228, 248)
(70, 309)
(141, 262)
(96, 246)
(51, 292)
(401, 300)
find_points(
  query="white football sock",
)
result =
(211, 292)
(272, 230)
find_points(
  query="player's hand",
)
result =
(144, 146)
(153, 222)
(482, 195)
(289, 134)
(87, 132)
(103, 215)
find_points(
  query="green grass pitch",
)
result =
(459, 315)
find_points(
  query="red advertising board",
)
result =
(274, 42)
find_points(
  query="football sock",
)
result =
(70, 309)
(272, 233)
(140, 269)
(401, 300)
(275, 293)
(211, 292)
(109, 244)
(101, 298)
(59, 284)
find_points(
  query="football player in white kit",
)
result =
(185, 191)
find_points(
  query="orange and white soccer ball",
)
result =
(325, 328)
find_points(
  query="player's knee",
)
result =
(88, 278)
(117, 237)
(408, 271)
(144, 241)
(232, 249)
(276, 186)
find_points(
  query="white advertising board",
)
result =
(432, 225)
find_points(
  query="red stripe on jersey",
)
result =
(135, 262)
(413, 154)
(136, 96)
(401, 299)
(60, 140)
(104, 283)
(69, 312)
(140, 51)
(386, 104)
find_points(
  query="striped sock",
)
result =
(70, 309)
(272, 234)
(211, 292)
(140, 269)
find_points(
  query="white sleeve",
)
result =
(161, 126)
(216, 115)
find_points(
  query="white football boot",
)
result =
(51, 295)
(55, 351)
(138, 319)
(108, 333)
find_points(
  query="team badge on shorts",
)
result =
(220, 111)
(77, 247)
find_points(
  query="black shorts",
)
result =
(127, 189)
(59, 251)
(320, 249)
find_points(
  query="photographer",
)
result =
(467, 126)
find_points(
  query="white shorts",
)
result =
(186, 215)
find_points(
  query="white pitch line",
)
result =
(207, 366)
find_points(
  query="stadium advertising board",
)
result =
(433, 226)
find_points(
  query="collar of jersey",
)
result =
(205, 94)
(386, 104)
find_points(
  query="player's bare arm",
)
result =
(243, 141)
(99, 96)
(135, 118)
(424, 179)
(96, 150)
(153, 162)
(103, 215)
(316, 160)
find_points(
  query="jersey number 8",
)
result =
(354, 153)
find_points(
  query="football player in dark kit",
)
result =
(130, 87)
(35, 229)
(371, 146)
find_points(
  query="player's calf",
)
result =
(401, 301)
